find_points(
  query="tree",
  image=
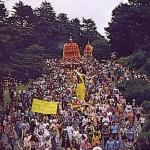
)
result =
(62, 26)
(128, 30)
(45, 18)
(145, 134)
(139, 2)
(22, 15)
(138, 89)
(102, 49)
(75, 28)
(46, 11)
(3, 11)
(89, 29)
(29, 36)
(28, 63)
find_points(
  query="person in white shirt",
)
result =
(105, 119)
(76, 134)
(128, 108)
(142, 120)
(138, 110)
(41, 138)
(46, 132)
(85, 120)
(26, 141)
(97, 148)
(70, 131)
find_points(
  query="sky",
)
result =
(98, 10)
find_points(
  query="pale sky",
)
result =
(99, 10)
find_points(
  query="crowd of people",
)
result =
(104, 120)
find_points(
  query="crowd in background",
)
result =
(105, 119)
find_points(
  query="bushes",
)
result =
(146, 106)
(125, 61)
(138, 61)
(145, 134)
(136, 89)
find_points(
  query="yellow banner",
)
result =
(44, 107)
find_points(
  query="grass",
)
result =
(19, 87)
(6, 97)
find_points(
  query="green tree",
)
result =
(61, 32)
(45, 16)
(45, 19)
(89, 29)
(102, 49)
(128, 30)
(136, 89)
(28, 62)
(75, 28)
(22, 15)
(29, 36)
(139, 2)
(3, 11)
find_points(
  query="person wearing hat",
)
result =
(133, 103)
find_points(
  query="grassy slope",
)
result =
(19, 87)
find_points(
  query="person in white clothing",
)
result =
(142, 120)
(85, 120)
(128, 108)
(70, 131)
(26, 141)
(76, 134)
(97, 148)
(41, 138)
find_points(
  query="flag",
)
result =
(80, 90)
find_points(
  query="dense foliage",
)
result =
(128, 29)
(28, 37)
(139, 61)
(136, 89)
(145, 134)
